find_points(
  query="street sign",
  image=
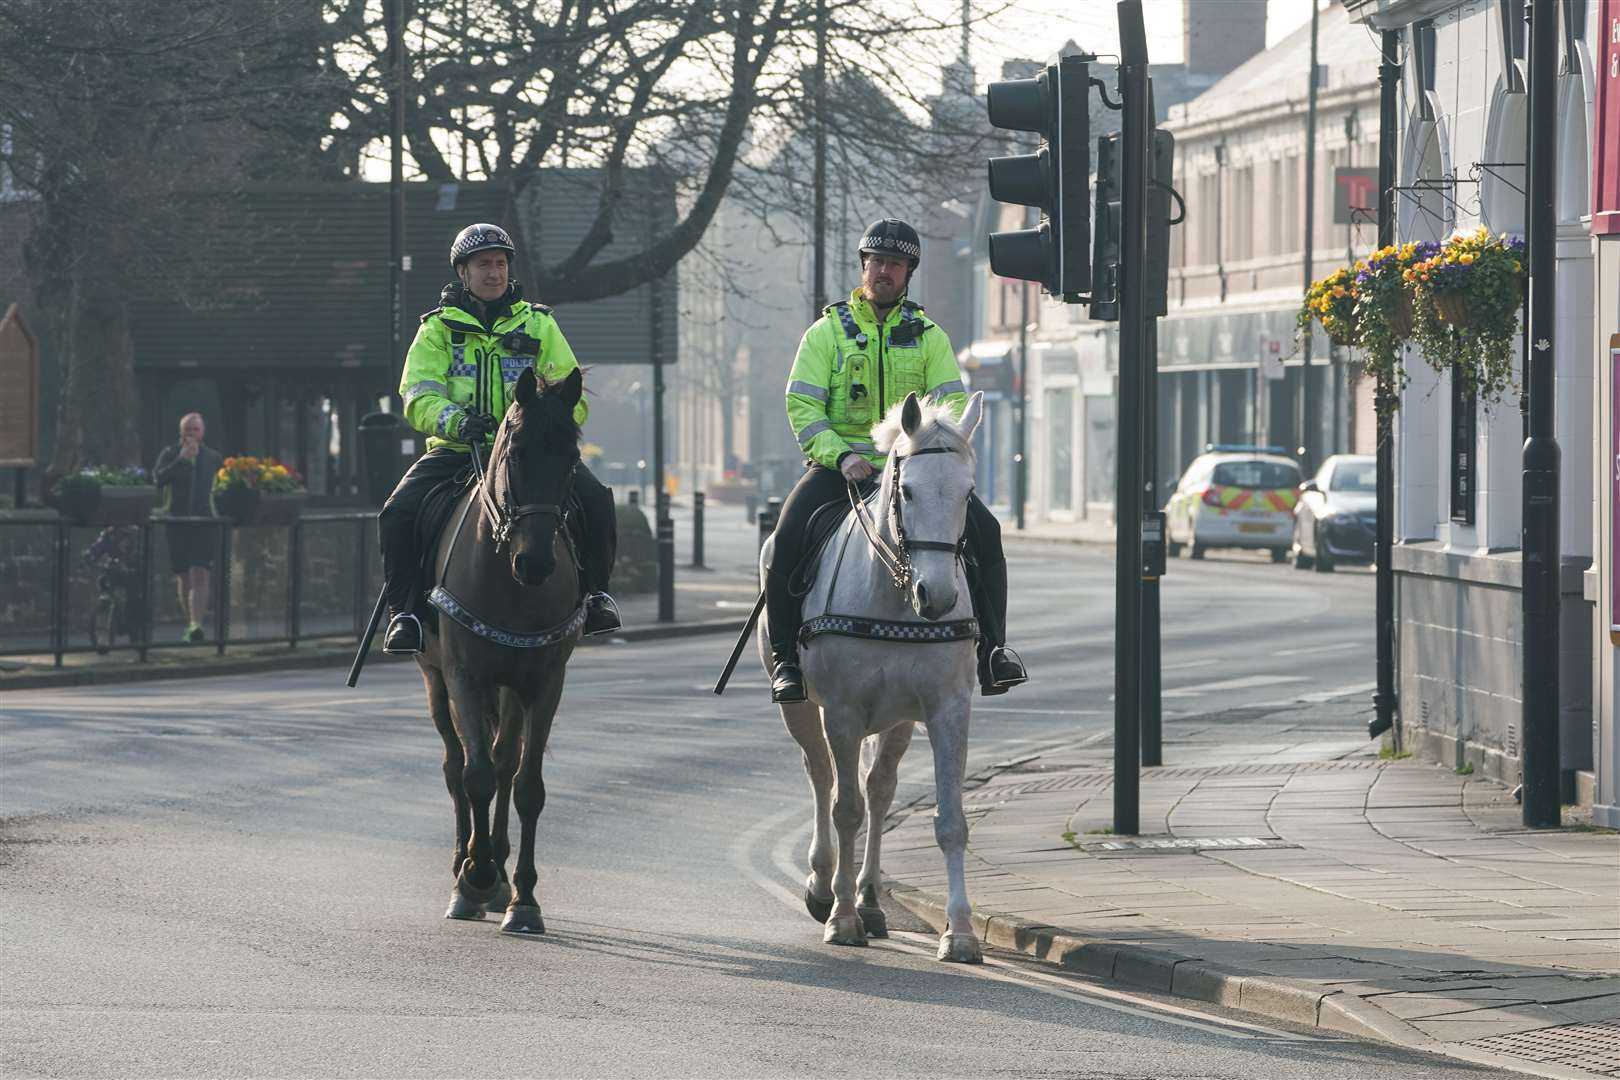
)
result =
(1355, 195)
(19, 405)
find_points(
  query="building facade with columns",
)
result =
(1462, 153)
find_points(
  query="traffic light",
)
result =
(1105, 252)
(1053, 104)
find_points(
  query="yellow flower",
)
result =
(1516, 266)
(1466, 259)
(1338, 290)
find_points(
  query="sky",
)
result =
(1035, 29)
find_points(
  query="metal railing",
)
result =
(311, 579)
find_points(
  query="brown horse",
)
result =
(510, 610)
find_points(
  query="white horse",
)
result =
(894, 646)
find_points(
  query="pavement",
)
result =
(713, 599)
(1285, 868)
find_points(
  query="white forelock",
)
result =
(937, 417)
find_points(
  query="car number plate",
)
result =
(1256, 528)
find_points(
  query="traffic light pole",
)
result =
(1020, 457)
(1136, 134)
(1540, 546)
(1152, 713)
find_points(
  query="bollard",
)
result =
(633, 497)
(666, 569)
(751, 507)
(697, 530)
(768, 518)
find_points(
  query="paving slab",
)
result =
(1415, 907)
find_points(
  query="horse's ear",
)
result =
(572, 387)
(911, 414)
(972, 414)
(524, 391)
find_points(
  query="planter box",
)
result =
(107, 504)
(247, 506)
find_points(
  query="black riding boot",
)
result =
(782, 628)
(1000, 669)
(601, 551)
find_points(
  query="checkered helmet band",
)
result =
(891, 236)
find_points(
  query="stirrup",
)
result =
(787, 681)
(990, 684)
(601, 615)
(399, 626)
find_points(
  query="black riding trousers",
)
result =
(986, 564)
(396, 526)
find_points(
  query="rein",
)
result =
(896, 558)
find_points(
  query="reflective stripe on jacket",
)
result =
(455, 366)
(847, 375)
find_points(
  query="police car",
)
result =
(1235, 497)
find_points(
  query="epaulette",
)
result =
(544, 309)
(910, 305)
(426, 315)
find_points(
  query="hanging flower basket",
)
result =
(1453, 309)
(1331, 302)
(248, 506)
(1399, 315)
(1465, 301)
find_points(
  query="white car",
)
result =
(1237, 498)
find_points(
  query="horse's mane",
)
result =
(938, 425)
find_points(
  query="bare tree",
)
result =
(110, 111)
(711, 93)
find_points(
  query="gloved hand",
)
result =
(855, 468)
(475, 428)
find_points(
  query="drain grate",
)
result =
(1090, 778)
(1593, 1048)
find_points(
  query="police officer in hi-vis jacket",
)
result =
(860, 359)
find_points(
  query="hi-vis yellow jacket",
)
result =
(455, 366)
(849, 372)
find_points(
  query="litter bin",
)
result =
(389, 446)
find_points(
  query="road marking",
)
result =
(1246, 682)
(1187, 664)
(1334, 646)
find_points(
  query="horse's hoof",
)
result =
(844, 930)
(523, 919)
(497, 890)
(960, 949)
(818, 908)
(464, 907)
(874, 921)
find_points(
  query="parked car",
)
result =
(1234, 498)
(1337, 510)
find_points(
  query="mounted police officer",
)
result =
(860, 359)
(467, 356)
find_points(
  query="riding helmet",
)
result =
(891, 236)
(481, 237)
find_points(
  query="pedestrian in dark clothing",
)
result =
(186, 470)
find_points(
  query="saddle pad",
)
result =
(431, 519)
(817, 531)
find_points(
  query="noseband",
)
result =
(897, 557)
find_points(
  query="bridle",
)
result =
(503, 515)
(896, 558)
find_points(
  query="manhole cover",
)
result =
(1180, 844)
(1593, 1048)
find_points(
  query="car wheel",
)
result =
(1197, 549)
(1279, 555)
(1324, 563)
